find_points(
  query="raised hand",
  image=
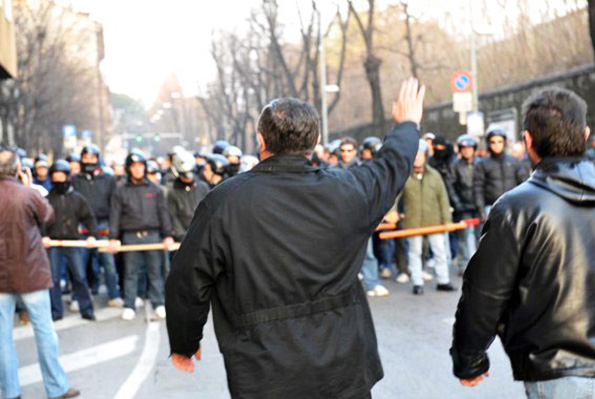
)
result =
(410, 104)
(473, 381)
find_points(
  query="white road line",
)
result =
(72, 321)
(144, 366)
(85, 358)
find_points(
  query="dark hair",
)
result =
(289, 126)
(348, 140)
(556, 119)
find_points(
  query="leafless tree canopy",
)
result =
(56, 82)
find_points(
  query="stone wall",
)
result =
(441, 118)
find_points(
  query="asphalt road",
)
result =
(114, 359)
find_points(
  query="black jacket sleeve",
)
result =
(478, 186)
(172, 206)
(86, 216)
(192, 278)
(115, 213)
(381, 179)
(164, 219)
(487, 289)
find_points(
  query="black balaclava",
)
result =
(61, 187)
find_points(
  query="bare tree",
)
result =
(372, 65)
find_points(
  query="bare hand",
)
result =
(91, 242)
(113, 246)
(183, 363)
(410, 104)
(168, 242)
(47, 242)
(474, 381)
(26, 177)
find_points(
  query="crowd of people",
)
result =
(152, 200)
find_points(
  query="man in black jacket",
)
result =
(98, 188)
(462, 183)
(497, 173)
(532, 279)
(71, 209)
(139, 214)
(185, 195)
(277, 251)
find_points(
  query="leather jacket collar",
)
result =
(286, 163)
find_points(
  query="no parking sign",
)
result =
(461, 82)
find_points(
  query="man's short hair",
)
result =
(556, 119)
(289, 126)
(348, 140)
(9, 162)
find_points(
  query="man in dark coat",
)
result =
(277, 251)
(532, 279)
(25, 274)
(496, 174)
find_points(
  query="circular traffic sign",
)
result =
(461, 81)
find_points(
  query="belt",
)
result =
(294, 311)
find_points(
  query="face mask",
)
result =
(89, 168)
(61, 187)
(233, 169)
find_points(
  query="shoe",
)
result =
(128, 314)
(56, 318)
(72, 393)
(74, 306)
(418, 290)
(90, 317)
(378, 291)
(115, 303)
(402, 278)
(360, 276)
(138, 302)
(385, 274)
(445, 287)
(160, 312)
(430, 263)
(427, 276)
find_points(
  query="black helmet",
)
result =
(60, 165)
(220, 146)
(495, 131)
(90, 149)
(134, 156)
(218, 163)
(466, 140)
(74, 157)
(372, 143)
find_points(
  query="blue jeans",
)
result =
(438, 246)
(370, 268)
(384, 251)
(38, 305)
(106, 261)
(74, 260)
(134, 262)
(561, 388)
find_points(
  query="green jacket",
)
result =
(425, 200)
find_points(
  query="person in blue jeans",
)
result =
(25, 275)
(71, 209)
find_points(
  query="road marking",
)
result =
(145, 364)
(72, 321)
(82, 359)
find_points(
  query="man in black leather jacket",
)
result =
(532, 279)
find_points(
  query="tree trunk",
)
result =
(372, 66)
(591, 8)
